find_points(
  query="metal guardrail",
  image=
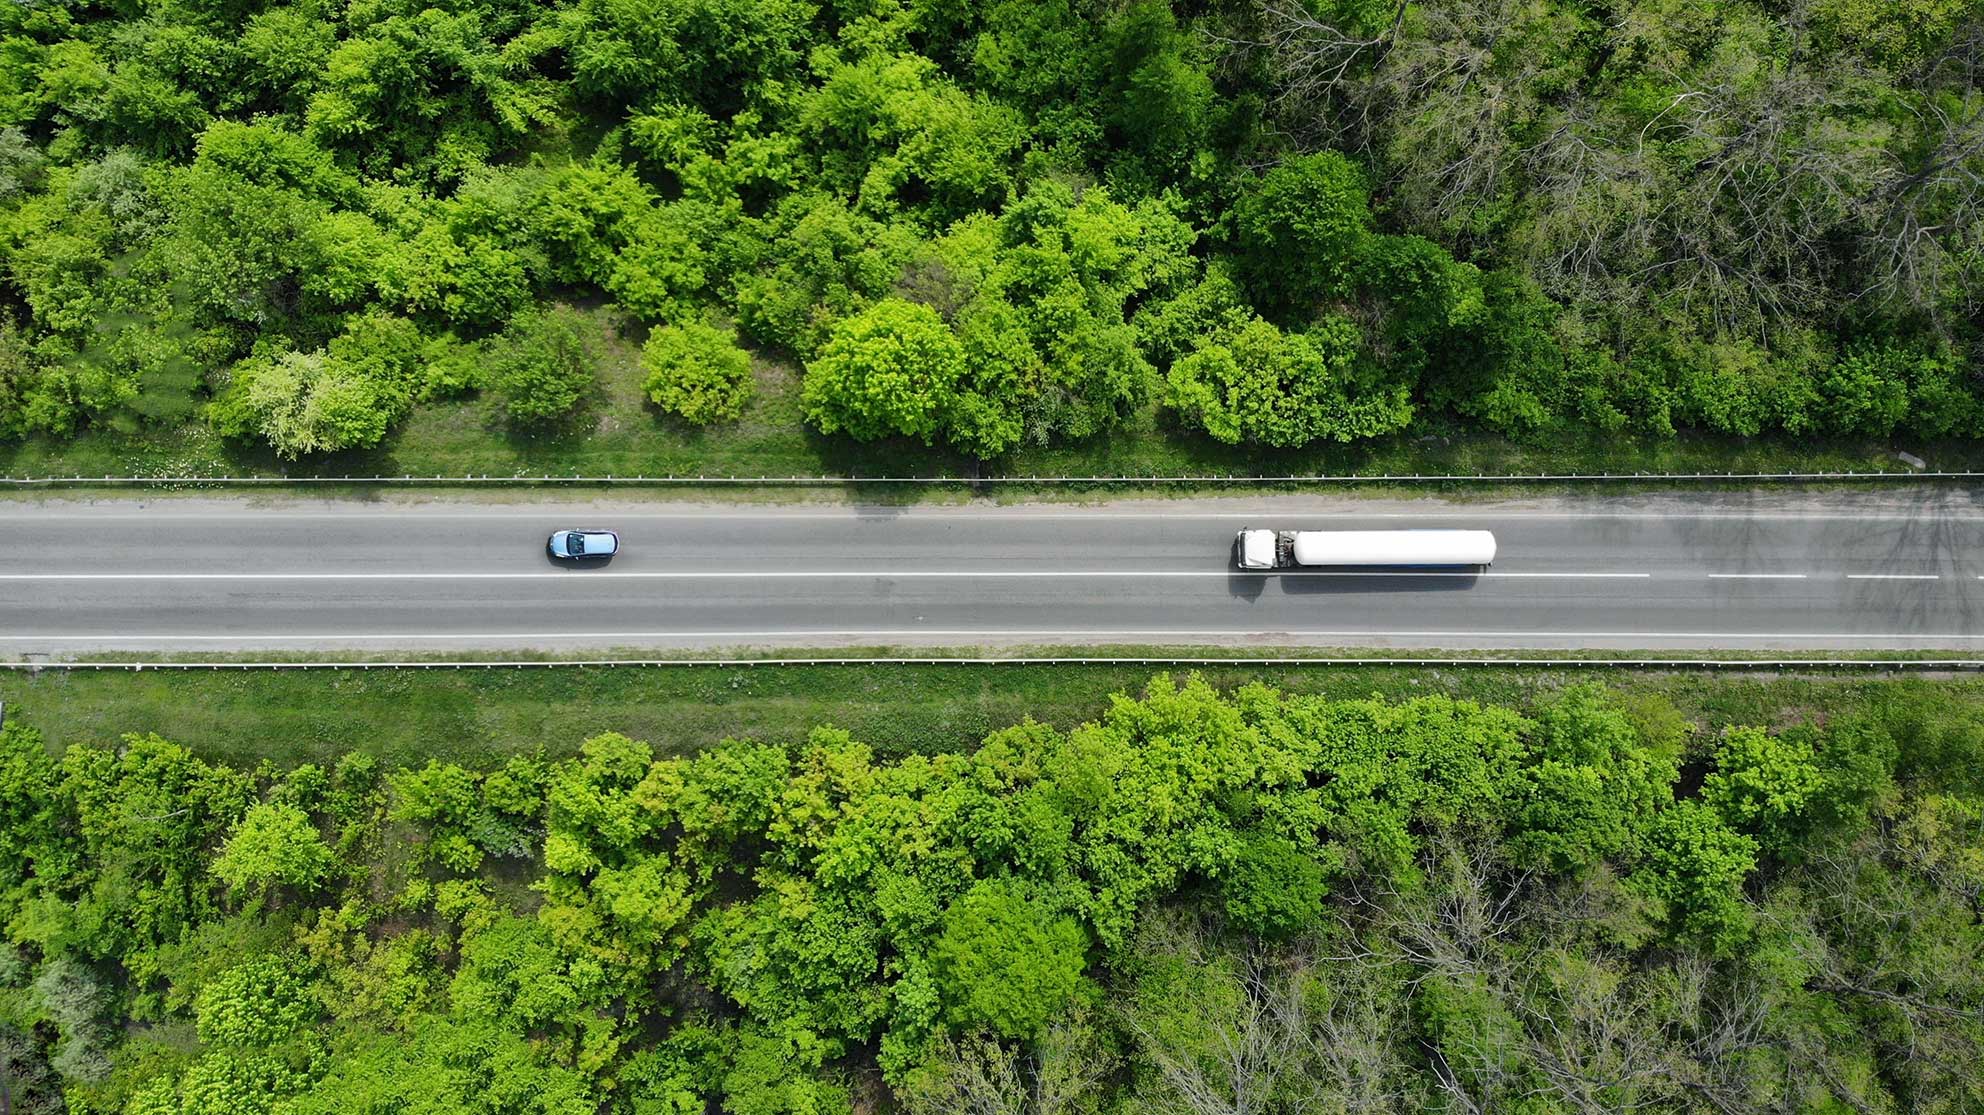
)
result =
(686, 480)
(1973, 664)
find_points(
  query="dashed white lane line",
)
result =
(1757, 576)
(1597, 576)
(1894, 576)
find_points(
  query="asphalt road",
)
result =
(1742, 571)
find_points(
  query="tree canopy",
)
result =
(1198, 901)
(1752, 219)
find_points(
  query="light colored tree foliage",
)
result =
(697, 372)
(891, 370)
(274, 845)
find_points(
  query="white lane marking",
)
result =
(1894, 576)
(1198, 632)
(1601, 576)
(576, 576)
(1757, 576)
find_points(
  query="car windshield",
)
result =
(575, 543)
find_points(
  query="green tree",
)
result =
(1007, 960)
(697, 372)
(1763, 783)
(274, 845)
(895, 132)
(892, 369)
(826, 262)
(1592, 784)
(146, 817)
(660, 270)
(1160, 87)
(1697, 864)
(1303, 231)
(546, 365)
(303, 403)
(1275, 888)
(1259, 385)
(31, 819)
(256, 1007)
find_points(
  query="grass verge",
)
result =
(475, 716)
(619, 434)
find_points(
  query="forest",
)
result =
(987, 225)
(1240, 902)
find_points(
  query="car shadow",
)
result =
(590, 561)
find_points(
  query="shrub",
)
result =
(697, 371)
(1302, 229)
(890, 369)
(1260, 386)
(545, 366)
(1866, 392)
(1007, 961)
(303, 403)
(273, 845)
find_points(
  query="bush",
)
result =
(890, 369)
(545, 366)
(1875, 389)
(344, 396)
(273, 845)
(449, 368)
(1302, 230)
(1866, 392)
(303, 403)
(384, 349)
(1007, 961)
(697, 371)
(17, 377)
(1274, 888)
(1260, 386)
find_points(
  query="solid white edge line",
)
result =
(971, 633)
(804, 659)
(575, 576)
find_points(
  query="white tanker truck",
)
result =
(1296, 549)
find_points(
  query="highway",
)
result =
(1740, 571)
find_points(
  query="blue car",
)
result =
(583, 544)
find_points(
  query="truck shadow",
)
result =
(1346, 582)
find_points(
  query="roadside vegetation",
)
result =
(1572, 899)
(481, 718)
(775, 235)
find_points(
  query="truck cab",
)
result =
(1257, 549)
